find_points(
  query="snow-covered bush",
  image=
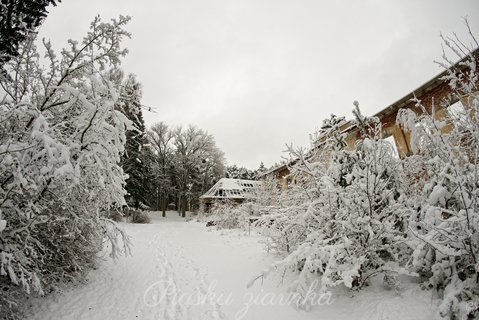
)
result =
(230, 215)
(280, 222)
(116, 215)
(268, 193)
(138, 216)
(60, 145)
(445, 231)
(345, 220)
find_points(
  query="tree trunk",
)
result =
(163, 204)
(179, 204)
(183, 207)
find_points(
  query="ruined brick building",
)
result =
(435, 93)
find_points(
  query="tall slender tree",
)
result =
(160, 137)
(136, 157)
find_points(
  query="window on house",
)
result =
(457, 112)
(394, 148)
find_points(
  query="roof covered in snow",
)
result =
(233, 189)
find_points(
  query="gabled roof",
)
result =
(233, 189)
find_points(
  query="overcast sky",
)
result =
(258, 74)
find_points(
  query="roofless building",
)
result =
(234, 190)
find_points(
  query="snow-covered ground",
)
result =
(183, 270)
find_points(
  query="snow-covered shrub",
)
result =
(138, 216)
(60, 145)
(268, 193)
(281, 224)
(230, 215)
(272, 210)
(445, 231)
(116, 215)
(346, 219)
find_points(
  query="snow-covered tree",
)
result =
(232, 172)
(261, 169)
(209, 169)
(18, 18)
(445, 231)
(136, 159)
(235, 172)
(61, 139)
(187, 163)
(160, 137)
(197, 163)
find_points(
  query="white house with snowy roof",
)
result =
(235, 190)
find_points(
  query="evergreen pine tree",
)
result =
(137, 156)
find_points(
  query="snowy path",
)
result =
(181, 270)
